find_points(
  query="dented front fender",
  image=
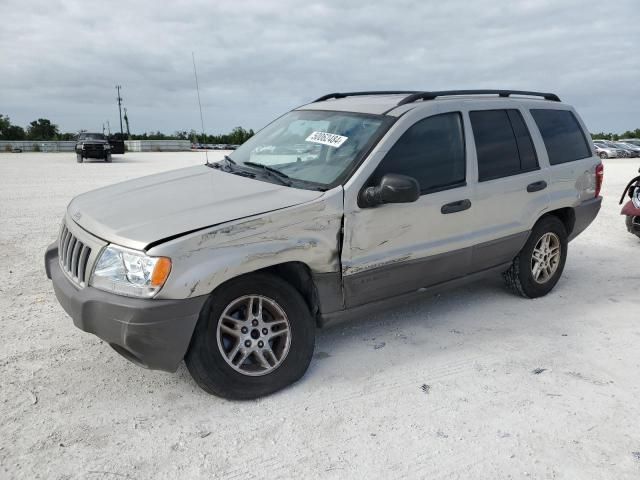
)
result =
(308, 233)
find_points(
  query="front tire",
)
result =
(538, 267)
(79, 157)
(603, 155)
(254, 337)
(108, 158)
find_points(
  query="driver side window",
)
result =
(432, 151)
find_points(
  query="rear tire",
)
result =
(79, 157)
(538, 267)
(246, 313)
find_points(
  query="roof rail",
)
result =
(502, 93)
(358, 94)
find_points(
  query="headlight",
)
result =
(81, 146)
(129, 272)
(107, 146)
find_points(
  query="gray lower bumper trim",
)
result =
(152, 333)
(585, 213)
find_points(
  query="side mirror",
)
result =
(393, 188)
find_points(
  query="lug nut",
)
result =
(261, 344)
(254, 323)
(247, 343)
(265, 331)
(244, 330)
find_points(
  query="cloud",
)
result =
(257, 59)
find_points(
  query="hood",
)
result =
(146, 210)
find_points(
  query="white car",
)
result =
(604, 151)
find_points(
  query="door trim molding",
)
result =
(333, 318)
(401, 276)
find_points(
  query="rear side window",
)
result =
(503, 144)
(431, 151)
(562, 135)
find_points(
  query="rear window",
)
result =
(562, 135)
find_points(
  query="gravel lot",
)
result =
(441, 388)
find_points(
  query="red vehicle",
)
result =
(631, 209)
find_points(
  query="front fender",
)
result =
(307, 233)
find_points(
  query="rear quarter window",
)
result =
(564, 139)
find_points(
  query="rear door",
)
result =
(512, 187)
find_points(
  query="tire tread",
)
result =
(520, 281)
(214, 376)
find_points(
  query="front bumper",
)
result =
(152, 333)
(93, 151)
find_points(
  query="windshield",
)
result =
(314, 147)
(91, 136)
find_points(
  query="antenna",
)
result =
(195, 74)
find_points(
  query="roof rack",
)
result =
(358, 94)
(502, 93)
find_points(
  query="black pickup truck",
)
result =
(96, 145)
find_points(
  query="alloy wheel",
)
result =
(254, 335)
(545, 257)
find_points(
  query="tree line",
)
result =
(617, 136)
(237, 136)
(43, 129)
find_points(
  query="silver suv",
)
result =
(338, 206)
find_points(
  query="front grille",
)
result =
(93, 148)
(74, 256)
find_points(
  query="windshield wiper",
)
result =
(227, 164)
(283, 178)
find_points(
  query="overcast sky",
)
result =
(60, 59)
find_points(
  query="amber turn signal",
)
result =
(161, 272)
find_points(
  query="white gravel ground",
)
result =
(441, 388)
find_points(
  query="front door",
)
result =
(393, 249)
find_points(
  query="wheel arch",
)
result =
(319, 291)
(299, 276)
(566, 215)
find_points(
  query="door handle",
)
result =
(536, 186)
(454, 207)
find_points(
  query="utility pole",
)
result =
(118, 87)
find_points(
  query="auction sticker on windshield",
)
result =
(325, 138)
